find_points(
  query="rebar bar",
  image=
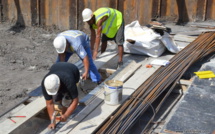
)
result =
(165, 77)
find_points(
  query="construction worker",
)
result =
(59, 86)
(74, 41)
(108, 22)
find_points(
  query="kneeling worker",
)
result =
(60, 84)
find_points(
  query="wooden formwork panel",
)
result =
(55, 13)
(210, 11)
(19, 11)
(66, 14)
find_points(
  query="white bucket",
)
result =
(113, 92)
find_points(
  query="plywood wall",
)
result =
(66, 14)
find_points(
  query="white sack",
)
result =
(170, 43)
(147, 42)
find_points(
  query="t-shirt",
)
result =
(68, 74)
(78, 41)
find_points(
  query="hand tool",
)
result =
(9, 117)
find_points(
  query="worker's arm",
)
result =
(92, 38)
(62, 57)
(98, 36)
(50, 109)
(70, 109)
(86, 67)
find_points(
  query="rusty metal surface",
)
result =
(66, 14)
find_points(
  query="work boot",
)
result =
(119, 64)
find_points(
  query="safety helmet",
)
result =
(87, 14)
(60, 44)
(52, 84)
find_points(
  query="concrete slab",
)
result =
(195, 113)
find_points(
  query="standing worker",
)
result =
(74, 41)
(110, 23)
(59, 86)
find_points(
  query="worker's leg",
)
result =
(120, 52)
(103, 46)
(68, 55)
(93, 71)
(104, 43)
(119, 39)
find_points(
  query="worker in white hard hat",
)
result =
(75, 41)
(59, 85)
(108, 22)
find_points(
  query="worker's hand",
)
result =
(52, 126)
(63, 118)
(84, 75)
(95, 55)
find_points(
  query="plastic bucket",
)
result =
(113, 92)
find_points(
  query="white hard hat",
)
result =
(87, 14)
(52, 84)
(60, 44)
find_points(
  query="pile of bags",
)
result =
(145, 41)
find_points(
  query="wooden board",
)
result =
(184, 38)
(104, 111)
(98, 97)
(29, 111)
(37, 105)
(128, 70)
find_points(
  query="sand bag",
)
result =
(147, 42)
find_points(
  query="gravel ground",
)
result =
(26, 53)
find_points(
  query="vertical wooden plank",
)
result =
(54, 13)
(4, 10)
(173, 11)
(19, 11)
(130, 11)
(168, 8)
(24, 15)
(113, 4)
(182, 11)
(34, 12)
(189, 12)
(63, 14)
(101, 3)
(1, 13)
(82, 4)
(73, 14)
(11, 12)
(210, 12)
(42, 12)
(144, 11)
(121, 7)
(155, 9)
(163, 7)
(46, 12)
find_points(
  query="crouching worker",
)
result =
(75, 41)
(59, 85)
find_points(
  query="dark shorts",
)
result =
(119, 37)
(59, 97)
